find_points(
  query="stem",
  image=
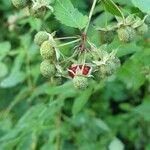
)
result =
(28, 70)
(68, 43)
(90, 15)
(58, 138)
(69, 37)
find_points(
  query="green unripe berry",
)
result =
(114, 64)
(98, 75)
(20, 3)
(80, 82)
(47, 69)
(107, 36)
(107, 69)
(103, 72)
(40, 37)
(47, 51)
(37, 12)
(126, 34)
(143, 29)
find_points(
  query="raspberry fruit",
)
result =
(126, 34)
(79, 70)
(80, 82)
(20, 3)
(47, 51)
(47, 69)
(143, 29)
(40, 37)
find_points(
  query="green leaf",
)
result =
(81, 101)
(143, 5)
(27, 142)
(126, 49)
(4, 49)
(16, 76)
(54, 90)
(116, 144)
(101, 124)
(68, 15)
(131, 75)
(4, 70)
(35, 24)
(143, 110)
(126, 2)
(31, 116)
(5, 124)
(111, 7)
(13, 79)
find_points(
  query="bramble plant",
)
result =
(101, 66)
(75, 75)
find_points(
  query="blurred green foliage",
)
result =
(113, 114)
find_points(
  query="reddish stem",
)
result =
(82, 46)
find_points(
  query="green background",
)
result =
(113, 114)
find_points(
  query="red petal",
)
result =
(72, 71)
(86, 69)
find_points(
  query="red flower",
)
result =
(78, 69)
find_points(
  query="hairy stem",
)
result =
(65, 38)
(90, 15)
(68, 43)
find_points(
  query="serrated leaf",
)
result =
(68, 15)
(112, 7)
(81, 101)
(143, 5)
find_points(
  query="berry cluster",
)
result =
(127, 29)
(36, 8)
(49, 53)
(94, 63)
(87, 60)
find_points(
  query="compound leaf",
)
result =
(68, 15)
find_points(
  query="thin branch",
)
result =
(90, 15)
(65, 38)
(68, 43)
